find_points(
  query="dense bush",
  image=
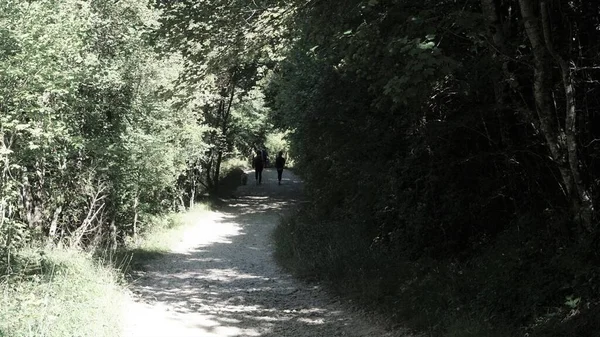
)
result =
(100, 126)
(449, 148)
(87, 142)
(441, 180)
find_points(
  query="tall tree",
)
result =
(89, 142)
(228, 47)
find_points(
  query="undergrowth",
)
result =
(521, 286)
(157, 239)
(58, 293)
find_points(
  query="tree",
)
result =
(433, 140)
(226, 55)
(561, 138)
(90, 141)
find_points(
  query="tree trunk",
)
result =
(507, 89)
(586, 208)
(217, 172)
(54, 223)
(193, 188)
(113, 235)
(209, 182)
(226, 116)
(556, 139)
(498, 51)
(136, 203)
(496, 32)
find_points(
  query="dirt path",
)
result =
(221, 280)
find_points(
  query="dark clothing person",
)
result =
(280, 161)
(265, 158)
(258, 165)
(258, 176)
(279, 164)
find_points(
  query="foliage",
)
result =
(449, 148)
(56, 293)
(90, 141)
(228, 47)
(276, 142)
(437, 183)
(167, 230)
(162, 234)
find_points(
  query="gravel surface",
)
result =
(221, 279)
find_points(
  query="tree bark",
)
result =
(136, 202)
(54, 223)
(585, 212)
(209, 182)
(507, 88)
(557, 140)
(226, 113)
(193, 188)
(113, 235)
(217, 172)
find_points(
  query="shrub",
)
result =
(57, 293)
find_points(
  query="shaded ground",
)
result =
(221, 280)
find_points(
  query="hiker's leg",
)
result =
(279, 173)
(260, 176)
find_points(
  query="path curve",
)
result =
(221, 279)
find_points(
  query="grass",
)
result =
(58, 293)
(157, 239)
(54, 292)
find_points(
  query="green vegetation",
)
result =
(449, 149)
(278, 141)
(167, 230)
(58, 293)
(66, 292)
(164, 233)
(102, 136)
(104, 127)
(88, 145)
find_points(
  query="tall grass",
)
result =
(59, 293)
(157, 239)
(54, 292)
(167, 230)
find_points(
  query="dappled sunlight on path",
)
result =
(221, 279)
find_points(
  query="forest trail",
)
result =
(221, 279)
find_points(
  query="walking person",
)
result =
(279, 164)
(258, 165)
(265, 158)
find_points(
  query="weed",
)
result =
(57, 293)
(161, 234)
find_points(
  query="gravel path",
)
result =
(221, 280)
